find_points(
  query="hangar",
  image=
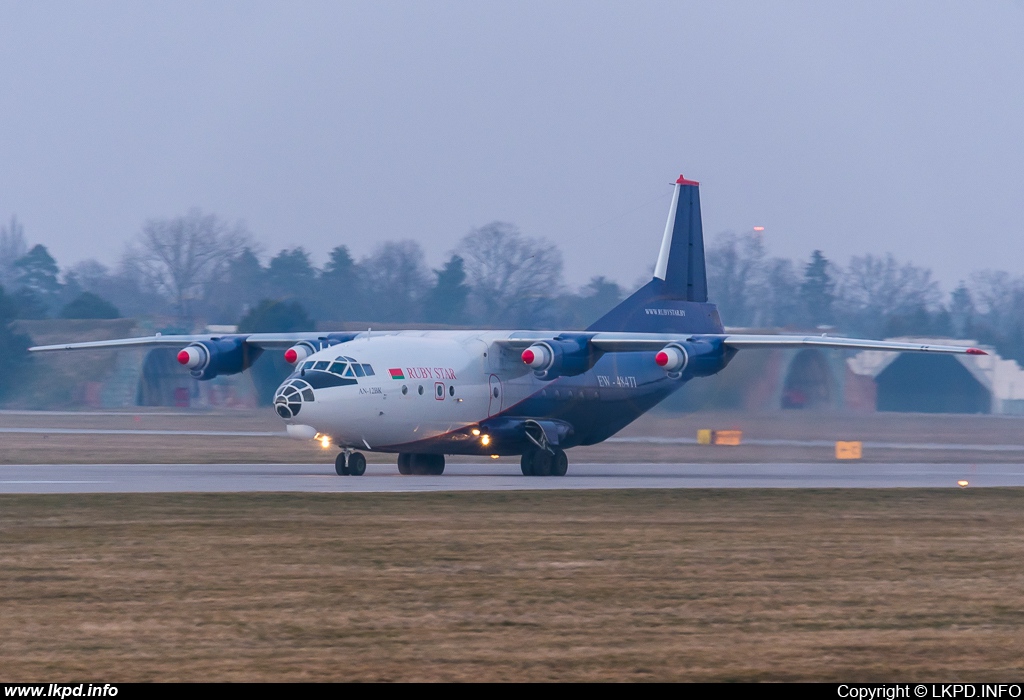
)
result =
(947, 384)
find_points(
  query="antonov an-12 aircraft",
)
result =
(427, 394)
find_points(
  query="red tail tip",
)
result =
(183, 357)
(976, 351)
(683, 181)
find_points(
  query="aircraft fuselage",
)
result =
(428, 391)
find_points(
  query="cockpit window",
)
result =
(344, 367)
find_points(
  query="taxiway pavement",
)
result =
(224, 478)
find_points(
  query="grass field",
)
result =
(862, 585)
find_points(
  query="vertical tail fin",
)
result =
(681, 259)
(675, 301)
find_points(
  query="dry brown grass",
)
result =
(664, 585)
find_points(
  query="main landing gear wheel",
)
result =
(560, 463)
(355, 465)
(544, 463)
(420, 465)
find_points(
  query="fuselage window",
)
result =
(420, 390)
(440, 390)
(368, 369)
(307, 395)
(451, 390)
(405, 390)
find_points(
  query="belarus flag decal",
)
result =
(396, 374)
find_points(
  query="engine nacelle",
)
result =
(564, 356)
(298, 352)
(539, 357)
(697, 357)
(207, 359)
(673, 359)
(195, 356)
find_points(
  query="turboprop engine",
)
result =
(210, 358)
(564, 356)
(298, 352)
(694, 358)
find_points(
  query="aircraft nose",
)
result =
(290, 396)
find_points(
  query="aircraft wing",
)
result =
(260, 340)
(639, 342)
(605, 341)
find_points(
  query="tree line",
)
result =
(872, 296)
(199, 269)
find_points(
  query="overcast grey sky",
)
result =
(850, 127)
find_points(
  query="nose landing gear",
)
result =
(350, 464)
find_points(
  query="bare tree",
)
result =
(736, 276)
(512, 276)
(873, 288)
(180, 257)
(395, 279)
(997, 293)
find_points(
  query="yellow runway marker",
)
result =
(848, 450)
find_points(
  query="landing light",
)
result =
(962, 483)
(475, 432)
(485, 440)
(325, 442)
(495, 456)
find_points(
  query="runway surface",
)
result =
(212, 478)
